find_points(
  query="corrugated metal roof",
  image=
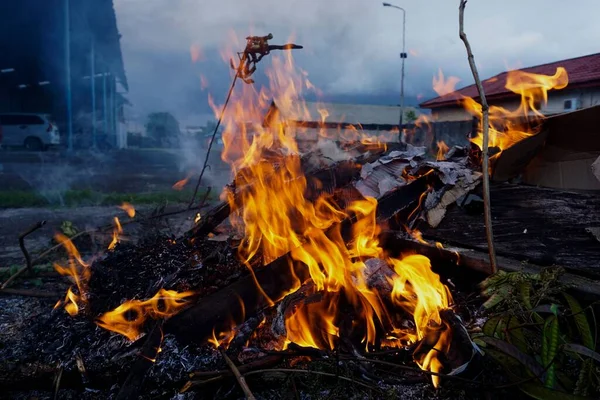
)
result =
(582, 71)
(354, 114)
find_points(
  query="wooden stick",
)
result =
(135, 380)
(236, 372)
(22, 236)
(485, 127)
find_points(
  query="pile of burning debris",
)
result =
(309, 284)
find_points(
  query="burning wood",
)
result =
(310, 274)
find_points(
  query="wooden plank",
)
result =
(543, 226)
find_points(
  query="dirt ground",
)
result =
(15, 221)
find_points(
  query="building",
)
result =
(343, 122)
(582, 91)
(35, 62)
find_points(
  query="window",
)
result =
(568, 104)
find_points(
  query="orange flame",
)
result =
(116, 232)
(128, 208)
(505, 129)
(443, 86)
(442, 150)
(128, 319)
(79, 272)
(179, 185)
(270, 209)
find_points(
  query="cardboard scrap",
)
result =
(389, 172)
(385, 174)
(436, 214)
(596, 168)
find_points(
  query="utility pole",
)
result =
(403, 57)
(105, 105)
(93, 86)
(67, 12)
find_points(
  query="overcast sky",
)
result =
(351, 47)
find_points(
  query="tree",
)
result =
(163, 127)
(410, 116)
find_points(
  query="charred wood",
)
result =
(539, 225)
(256, 290)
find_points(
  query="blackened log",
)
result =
(448, 260)
(543, 226)
(214, 312)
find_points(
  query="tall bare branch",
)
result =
(485, 126)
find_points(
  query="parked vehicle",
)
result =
(33, 131)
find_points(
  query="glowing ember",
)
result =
(78, 271)
(128, 208)
(271, 211)
(128, 319)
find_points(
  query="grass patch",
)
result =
(79, 198)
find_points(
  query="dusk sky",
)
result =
(351, 47)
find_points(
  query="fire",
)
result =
(79, 271)
(128, 319)
(197, 218)
(179, 185)
(270, 209)
(443, 86)
(506, 126)
(128, 208)
(442, 150)
(116, 232)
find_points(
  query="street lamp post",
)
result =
(403, 56)
(67, 12)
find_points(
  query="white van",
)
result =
(33, 131)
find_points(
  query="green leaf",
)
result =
(581, 321)
(549, 348)
(583, 350)
(525, 292)
(584, 380)
(493, 326)
(495, 299)
(542, 393)
(515, 334)
(514, 352)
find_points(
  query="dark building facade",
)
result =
(35, 66)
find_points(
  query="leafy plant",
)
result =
(540, 335)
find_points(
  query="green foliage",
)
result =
(537, 330)
(410, 116)
(163, 127)
(68, 229)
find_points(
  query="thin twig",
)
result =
(236, 372)
(22, 236)
(86, 232)
(212, 138)
(485, 127)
